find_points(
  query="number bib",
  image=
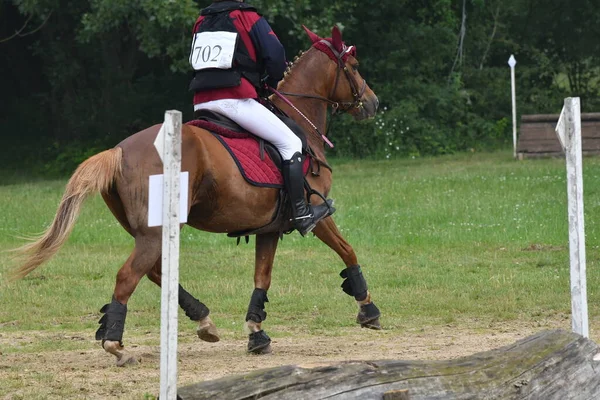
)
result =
(213, 50)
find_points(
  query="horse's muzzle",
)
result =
(367, 109)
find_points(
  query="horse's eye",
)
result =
(355, 68)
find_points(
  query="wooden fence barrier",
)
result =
(537, 137)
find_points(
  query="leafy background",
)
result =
(79, 76)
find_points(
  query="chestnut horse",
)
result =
(220, 200)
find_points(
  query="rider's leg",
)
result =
(304, 216)
(256, 118)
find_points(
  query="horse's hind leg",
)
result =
(144, 256)
(193, 308)
(354, 283)
(266, 246)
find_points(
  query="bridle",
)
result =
(357, 94)
(339, 107)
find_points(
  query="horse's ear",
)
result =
(336, 39)
(313, 36)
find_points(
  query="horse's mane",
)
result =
(295, 65)
(291, 65)
(318, 44)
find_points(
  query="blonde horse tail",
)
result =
(94, 175)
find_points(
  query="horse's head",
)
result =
(348, 92)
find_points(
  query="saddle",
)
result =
(259, 162)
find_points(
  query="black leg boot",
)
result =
(304, 216)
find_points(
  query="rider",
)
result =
(232, 49)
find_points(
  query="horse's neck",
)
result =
(304, 80)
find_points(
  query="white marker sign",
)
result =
(561, 129)
(155, 199)
(159, 143)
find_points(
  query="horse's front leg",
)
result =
(193, 308)
(354, 283)
(266, 246)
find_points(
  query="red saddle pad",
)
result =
(245, 151)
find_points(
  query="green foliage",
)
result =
(401, 132)
(161, 28)
(87, 74)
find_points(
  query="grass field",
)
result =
(465, 239)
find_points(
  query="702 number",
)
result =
(207, 53)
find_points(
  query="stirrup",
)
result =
(306, 223)
(305, 230)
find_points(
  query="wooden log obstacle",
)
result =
(537, 136)
(553, 364)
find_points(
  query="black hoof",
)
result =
(375, 325)
(259, 343)
(368, 316)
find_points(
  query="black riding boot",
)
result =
(304, 216)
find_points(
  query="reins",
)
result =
(289, 103)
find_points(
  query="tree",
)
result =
(99, 70)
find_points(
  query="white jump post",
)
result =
(168, 144)
(512, 62)
(568, 130)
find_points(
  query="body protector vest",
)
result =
(219, 56)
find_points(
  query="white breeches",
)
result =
(257, 119)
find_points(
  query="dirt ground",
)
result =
(91, 374)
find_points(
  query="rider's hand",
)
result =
(271, 82)
(263, 91)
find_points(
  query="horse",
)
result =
(220, 200)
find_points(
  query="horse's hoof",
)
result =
(126, 360)
(262, 351)
(368, 316)
(116, 348)
(372, 325)
(207, 331)
(208, 335)
(259, 343)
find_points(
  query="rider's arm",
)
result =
(270, 50)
